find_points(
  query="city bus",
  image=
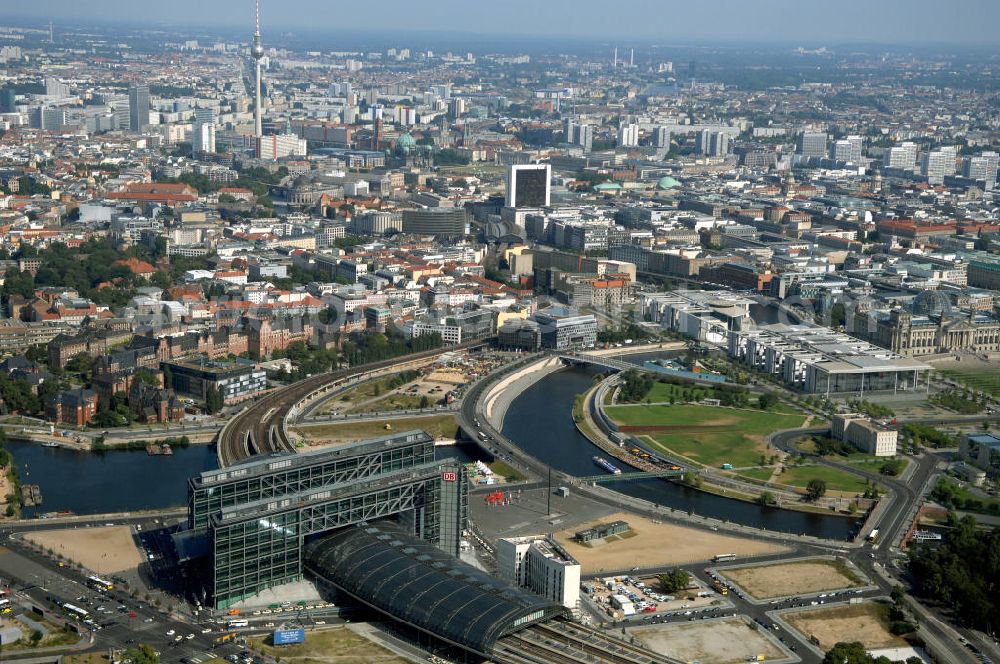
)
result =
(75, 611)
(97, 583)
(723, 557)
(236, 624)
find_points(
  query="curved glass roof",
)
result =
(419, 584)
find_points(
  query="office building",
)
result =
(529, 185)
(712, 143)
(279, 146)
(902, 156)
(982, 167)
(865, 435)
(377, 223)
(661, 137)
(983, 451)
(561, 328)
(55, 88)
(540, 565)
(8, 100)
(254, 518)
(848, 149)
(811, 144)
(628, 135)
(818, 360)
(440, 222)
(938, 164)
(237, 380)
(138, 107)
(203, 138)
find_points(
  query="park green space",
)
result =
(985, 380)
(730, 435)
(836, 479)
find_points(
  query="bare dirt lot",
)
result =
(861, 622)
(792, 578)
(719, 642)
(103, 550)
(657, 544)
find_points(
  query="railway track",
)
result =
(260, 427)
(569, 643)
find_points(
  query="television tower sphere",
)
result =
(257, 50)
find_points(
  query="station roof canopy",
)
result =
(417, 583)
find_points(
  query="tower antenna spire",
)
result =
(257, 15)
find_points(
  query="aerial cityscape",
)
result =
(529, 333)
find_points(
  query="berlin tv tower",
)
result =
(257, 52)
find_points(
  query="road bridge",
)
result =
(630, 476)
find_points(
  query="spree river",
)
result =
(126, 480)
(95, 483)
(540, 422)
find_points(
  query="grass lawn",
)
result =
(836, 480)
(504, 469)
(873, 465)
(340, 646)
(391, 402)
(986, 381)
(366, 390)
(762, 474)
(730, 435)
(438, 426)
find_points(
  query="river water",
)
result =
(122, 481)
(94, 483)
(540, 422)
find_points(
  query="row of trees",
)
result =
(963, 573)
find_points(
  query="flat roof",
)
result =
(259, 466)
(243, 511)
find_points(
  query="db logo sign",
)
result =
(449, 477)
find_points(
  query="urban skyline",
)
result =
(890, 22)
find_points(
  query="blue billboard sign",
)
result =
(287, 637)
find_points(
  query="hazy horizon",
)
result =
(805, 22)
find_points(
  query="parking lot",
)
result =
(640, 598)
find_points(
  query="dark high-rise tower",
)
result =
(138, 107)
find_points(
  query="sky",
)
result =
(804, 22)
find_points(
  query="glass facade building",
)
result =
(257, 515)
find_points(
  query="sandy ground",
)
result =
(861, 622)
(103, 550)
(786, 579)
(656, 545)
(4, 490)
(718, 642)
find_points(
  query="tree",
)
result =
(214, 400)
(848, 653)
(816, 489)
(766, 401)
(424, 401)
(767, 498)
(142, 654)
(674, 580)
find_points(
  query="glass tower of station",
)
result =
(257, 515)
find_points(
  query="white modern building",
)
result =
(540, 565)
(865, 435)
